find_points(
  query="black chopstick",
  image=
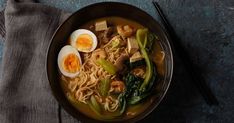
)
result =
(198, 80)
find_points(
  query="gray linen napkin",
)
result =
(25, 95)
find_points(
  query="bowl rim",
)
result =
(166, 36)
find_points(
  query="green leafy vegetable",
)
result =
(141, 36)
(153, 78)
(136, 99)
(138, 95)
(137, 88)
(104, 86)
(133, 84)
(94, 105)
(122, 102)
(107, 66)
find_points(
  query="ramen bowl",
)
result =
(92, 12)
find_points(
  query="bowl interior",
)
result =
(99, 10)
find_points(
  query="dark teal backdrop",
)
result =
(206, 29)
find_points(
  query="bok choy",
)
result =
(138, 88)
(141, 37)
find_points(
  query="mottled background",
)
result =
(206, 29)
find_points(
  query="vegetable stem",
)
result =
(106, 65)
(104, 86)
(142, 38)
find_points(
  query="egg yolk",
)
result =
(71, 63)
(84, 42)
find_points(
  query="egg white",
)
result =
(77, 33)
(66, 50)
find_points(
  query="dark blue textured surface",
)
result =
(206, 29)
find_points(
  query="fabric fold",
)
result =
(25, 95)
(2, 24)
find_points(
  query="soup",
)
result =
(110, 68)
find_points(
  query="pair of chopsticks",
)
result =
(198, 80)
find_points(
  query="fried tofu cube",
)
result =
(136, 57)
(132, 45)
(101, 25)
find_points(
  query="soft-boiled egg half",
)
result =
(83, 40)
(69, 61)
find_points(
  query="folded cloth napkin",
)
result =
(25, 95)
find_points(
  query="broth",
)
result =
(132, 110)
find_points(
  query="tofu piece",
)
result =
(101, 25)
(132, 45)
(136, 57)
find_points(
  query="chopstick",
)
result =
(197, 79)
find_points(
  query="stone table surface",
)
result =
(206, 30)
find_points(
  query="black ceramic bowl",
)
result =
(96, 11)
